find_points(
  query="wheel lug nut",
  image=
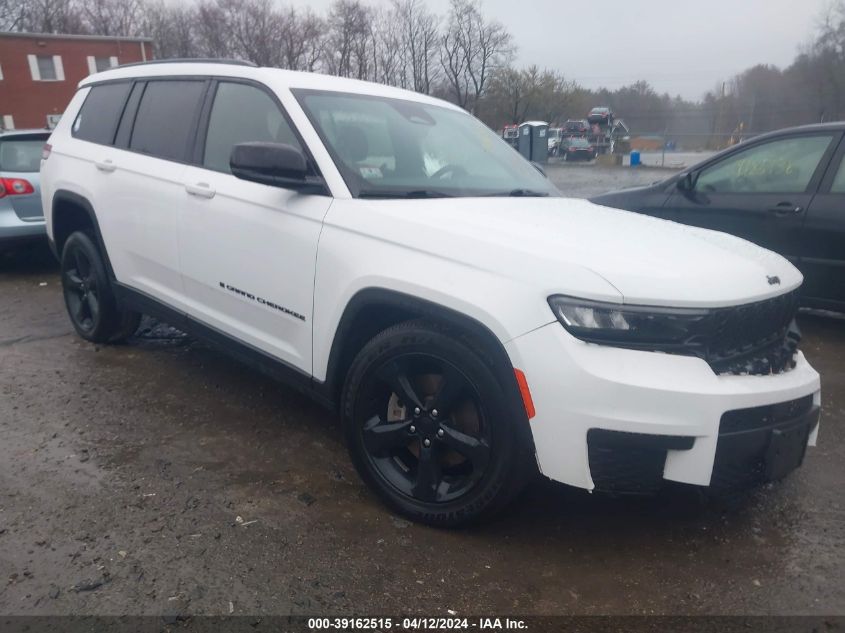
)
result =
(426, 443)
(413, 429)
(434, 413)
(440, 433)
(416, 410)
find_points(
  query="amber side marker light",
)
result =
(525, 393)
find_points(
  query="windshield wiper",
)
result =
(401, 193)
(518, 193)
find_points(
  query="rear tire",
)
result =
(429, 428)
(89, 297)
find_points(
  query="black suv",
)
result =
(784, 191)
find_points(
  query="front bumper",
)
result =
(582, 392)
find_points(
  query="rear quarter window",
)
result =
(98, 117)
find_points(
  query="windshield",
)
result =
(20, 155)
(396, 148)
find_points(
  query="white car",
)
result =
(388, 254)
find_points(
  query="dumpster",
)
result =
(533, 141)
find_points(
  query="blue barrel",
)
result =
(635, 158)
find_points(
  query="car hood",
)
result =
(551, 241)
(619, 198)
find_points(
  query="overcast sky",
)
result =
(680, 46)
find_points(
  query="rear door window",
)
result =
(98, 117)
(165, 118)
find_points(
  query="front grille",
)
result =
(757, 338)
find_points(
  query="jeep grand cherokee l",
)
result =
(388, 254)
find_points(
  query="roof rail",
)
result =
(192, 60)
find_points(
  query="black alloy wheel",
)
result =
(425, 432)
(81, 292)
(429, 428)
(89, 297)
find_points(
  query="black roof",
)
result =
(833, 126)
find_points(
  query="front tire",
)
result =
(89, 297)
(429, 428)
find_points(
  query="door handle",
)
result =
(201, 189)
(786, 208)
(105, 165)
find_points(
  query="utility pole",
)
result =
(753, 107)
(719, 117)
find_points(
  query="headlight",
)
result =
(643, 327)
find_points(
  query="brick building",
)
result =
(39, 72)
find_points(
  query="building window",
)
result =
(8, 122)
(46, 67)
(99, 64)
(1, 73)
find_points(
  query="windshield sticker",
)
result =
(370, 172)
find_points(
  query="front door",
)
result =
(760, 193)
(249, 250)
(823, 240)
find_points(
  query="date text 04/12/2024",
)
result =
(416, 624)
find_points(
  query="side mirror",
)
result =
(686, 182)
(539, 168)
(274, 164)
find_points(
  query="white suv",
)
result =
(387, 253)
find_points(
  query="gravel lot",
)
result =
(159, 477)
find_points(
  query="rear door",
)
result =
(823, 240)
(146, 191)
(760, 193)
(249, 250)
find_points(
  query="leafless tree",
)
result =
(113, 17)
(349, 39)
(471, 49)
(418, 44)
(515, 95)
(52, 16)
(212, 31)
(172, 28)
(301, 40)
(386, 48)
(12, 14)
